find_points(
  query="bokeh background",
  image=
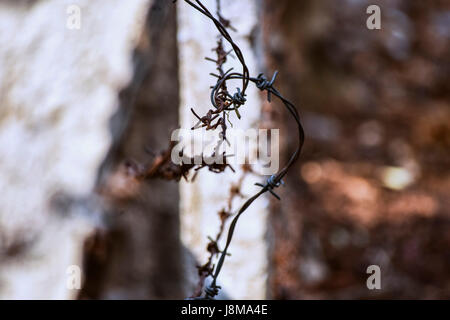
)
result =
(373, 183)
(81, 108)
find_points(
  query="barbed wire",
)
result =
(223, 102)
(212, 247)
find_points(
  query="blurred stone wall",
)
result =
(74, 104)
(139, 255)
(244, 274)
(80, 107)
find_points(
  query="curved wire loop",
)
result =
(237, 100)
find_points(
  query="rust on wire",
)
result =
(223, 103)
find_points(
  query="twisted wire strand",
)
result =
(223, 31)
(238, 99)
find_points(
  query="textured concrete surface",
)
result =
(58, 91)
(244, 273)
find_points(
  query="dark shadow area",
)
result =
(371, 186)
(139, 255)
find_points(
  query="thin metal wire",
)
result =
(233, 102)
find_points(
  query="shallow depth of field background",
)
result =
(372, 186)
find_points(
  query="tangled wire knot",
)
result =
(271, 184)
(222, 103)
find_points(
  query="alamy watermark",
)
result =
(73, 281)
(251, 146)
(374, 280)
(73, 17)
(373, 22)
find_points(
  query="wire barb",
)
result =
(263, 84)
(271, 184)
(223, 102)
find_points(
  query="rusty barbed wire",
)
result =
(163, 168)
(223, 102)
(212, 247)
